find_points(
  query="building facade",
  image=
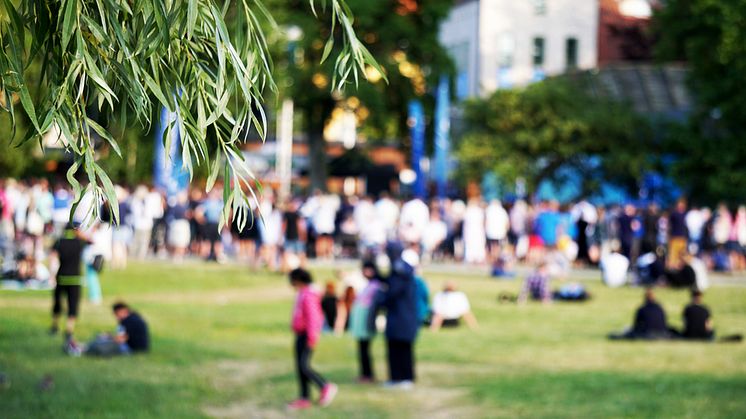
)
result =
(510, 43)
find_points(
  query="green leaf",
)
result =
(105, 135)
(77, 190)
(109, 192)
(327, 49)
(69, 23)
(191, 17)
(156, 90)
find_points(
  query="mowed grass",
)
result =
(222, 347)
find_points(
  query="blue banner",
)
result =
(417, 133)
(168, 175)
(442, 141)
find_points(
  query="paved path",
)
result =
(583, 274)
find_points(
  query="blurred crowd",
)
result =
(325, 226)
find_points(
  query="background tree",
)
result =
(538, 132)
(208, 60)
(710, 149)
(402, 35)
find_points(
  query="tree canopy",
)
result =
(208, 60)
(535, 132)
(402, 35)
(710, 150)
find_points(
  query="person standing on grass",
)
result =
(68, 251)
(402, 320)
(362, 320)
(307, 320)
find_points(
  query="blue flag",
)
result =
(442, 140)
(168, 175)
(417, 132)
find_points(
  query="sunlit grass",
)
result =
(222, 346)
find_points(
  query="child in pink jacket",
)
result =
(307, 322)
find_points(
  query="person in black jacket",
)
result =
(402, 324)
(68, 251)
(132, 335)
(650, 321)
(697, 321)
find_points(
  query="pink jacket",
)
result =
(307, 315)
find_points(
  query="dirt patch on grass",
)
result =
(222, 297)
(228, 374)
(245, 409)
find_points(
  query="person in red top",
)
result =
(307, 322)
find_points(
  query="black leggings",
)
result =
(401, 360)
(366, 365)
(73, 299)
(303, 364)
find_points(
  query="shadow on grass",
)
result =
(604, 394)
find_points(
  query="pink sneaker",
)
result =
(299, 404)
(327, 394)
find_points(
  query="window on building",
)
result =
(540, 7)
(506, 50)
(571, 53)
(538, 54)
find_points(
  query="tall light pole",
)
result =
(284, 151)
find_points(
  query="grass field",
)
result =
(222, 348)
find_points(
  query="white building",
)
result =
(509, 43)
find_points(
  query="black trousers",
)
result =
(401, 360)
(685, 277)
(73, 299)
(303, 365)
(366, 364)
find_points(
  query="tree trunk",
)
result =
(316, 116)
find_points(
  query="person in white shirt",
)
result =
(434, 235)
(414, 218)
(142, 223)
(475, 240)
(323, 224)
(449, 307)
(271, 233)
(695, 222)
(614, 268)
(388, 212)
(497, 224)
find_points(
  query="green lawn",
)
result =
(221, 347)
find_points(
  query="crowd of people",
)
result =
(38, 241)
(325, 226)
(388, 284)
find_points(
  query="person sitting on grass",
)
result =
(132, 334)
(697, 321)
(689, 272)
(131, 337)
(449, 307)
(650, 321)
(536, 286)
(307, 321)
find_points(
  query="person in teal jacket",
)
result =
(423, 300)
(362, 320)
